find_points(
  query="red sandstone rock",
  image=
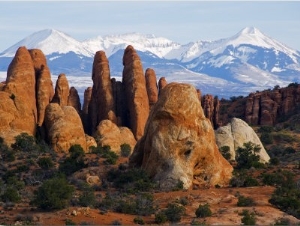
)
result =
(61, 91)
(20, 86)
(108, 133)
(85, 109)
(162, 83)
(151, 85)
(74, 100)
(135, 92)
(44, 85)
(102, 104)
(179, 143)
(64, 128)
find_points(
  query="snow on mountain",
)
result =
(246, 61)
(112, 43)
(49, 41)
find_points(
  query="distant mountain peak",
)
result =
(250, 31)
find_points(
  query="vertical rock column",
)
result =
(61, 91)
(151, 86)
(20, 84)
(44, 85)
(135, 91)
(102, 101)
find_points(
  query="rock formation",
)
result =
(135, 92)
(61, 91)
(102, 104)
(267, 107)
(151, 85)
(120, 101)
(18, 111)
(162, 83)
(235, 134)
(85, 109)
(44, 85)
(179, 143)
(74, 100)
(108, 133)
(64, 128)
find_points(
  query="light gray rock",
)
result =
(235, 134)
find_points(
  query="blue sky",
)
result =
(180, 21)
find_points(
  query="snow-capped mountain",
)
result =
(245, 62)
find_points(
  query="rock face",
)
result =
(102, 104)
(135, 92)
(110, 134)
(18, 110)
(162, 83)
(262, 108)
(151, 85)
(61, 91)
(179, 143)
(85, 109)
(44, 85)
(64, 128)
(235, 134)
(74, 100)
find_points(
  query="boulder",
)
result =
(134, 84)
(179, 143)
(64, 128)
(235, 134)
(108, 133)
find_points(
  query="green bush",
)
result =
(245, 201)
(11, 194)
(24, 142)
(138, 220)
(160, 217)
(74, 162)
(87, 198)
(203, 211)
(225, 151)
(248, 218)
(174, 212)
(125, 150)
(266, 138)
(131, 180)
(45, 163)
(53, 194)
(247, 156)
(105, 152)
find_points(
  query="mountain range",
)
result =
(243, 63)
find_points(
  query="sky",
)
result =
(179, 21)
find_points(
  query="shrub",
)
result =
(138, 220)
(265, 129)
(203, 211)
(53, 194)
(45, 163)
(87, 198)
(245, 201)
(69, 222)
(11, 195)
(160, 217)
(174, 212)
(225, 151)
(247, 157)
(131, 180)
(105, 152)
(125, 150)
(74, 162)
(266, 138)
(24, 142)
(248, 218)
(178, 186)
